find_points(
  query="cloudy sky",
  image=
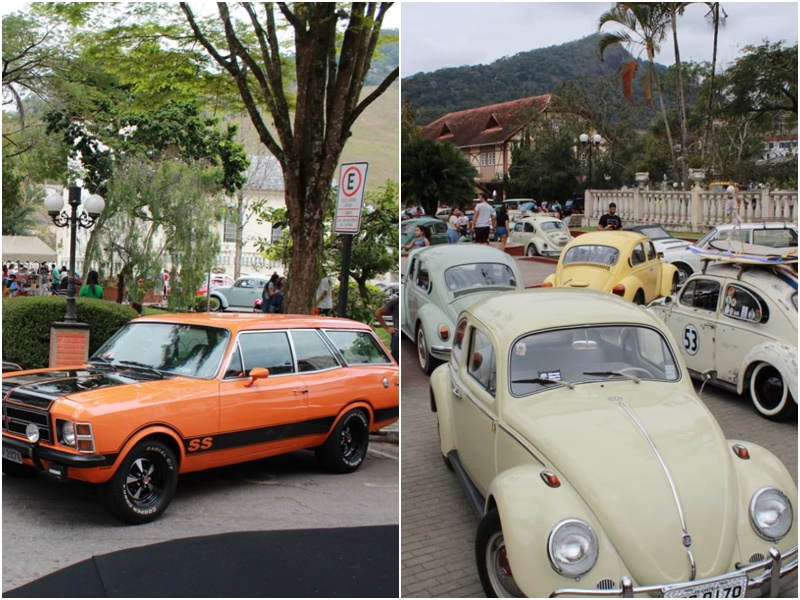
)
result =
(434, 35)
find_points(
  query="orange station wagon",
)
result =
(181, 393)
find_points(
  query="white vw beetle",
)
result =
(540, 235)
(594, 467)
(740, 320)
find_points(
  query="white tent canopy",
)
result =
(24, 247)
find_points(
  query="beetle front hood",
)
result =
(623, 450)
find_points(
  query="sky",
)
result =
(435, 35)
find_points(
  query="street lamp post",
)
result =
(594, 142)
(94, 205)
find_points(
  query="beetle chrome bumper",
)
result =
(765, 585)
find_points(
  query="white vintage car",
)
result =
(441, 281)
(594, 467)
(740, 321)
(540, 235)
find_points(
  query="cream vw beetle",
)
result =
(740, 320)
(540, 235)
(594, 467)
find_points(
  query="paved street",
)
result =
(437, 524)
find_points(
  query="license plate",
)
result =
(729, 587)
(12, 455)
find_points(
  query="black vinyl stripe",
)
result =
(261, 435)
(385, 414)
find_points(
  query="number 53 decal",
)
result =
(691, 340)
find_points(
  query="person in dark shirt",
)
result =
(610, 220)
(392, 308)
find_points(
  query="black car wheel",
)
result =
(144, 485)
(214, 304)
(531, 250)
(770, 394)
(494, 569)
(346, 447)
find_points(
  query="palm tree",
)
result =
(645, 25)
(718, 18)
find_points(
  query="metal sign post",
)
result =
(347, 221)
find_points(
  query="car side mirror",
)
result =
(667, 300)
(257, 373)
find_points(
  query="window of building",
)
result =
(229, 231)
(487, 158)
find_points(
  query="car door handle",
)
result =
(708, 326)
(303, 391)
(456, 392)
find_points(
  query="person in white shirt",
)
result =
(482, 221)
(453, 227)
(324, 297)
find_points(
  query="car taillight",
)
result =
(619, 290)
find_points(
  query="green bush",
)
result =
(358, 308)
(26, 325)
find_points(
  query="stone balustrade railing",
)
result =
(691, 210)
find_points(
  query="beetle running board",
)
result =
(474, 497)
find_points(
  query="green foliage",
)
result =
(434, 173)
(360, 307)
(26, 325)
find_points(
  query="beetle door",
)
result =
(475, 410)
(743, 317)
(417, 291)
(245, 292)
(693, 321)
(270, 414)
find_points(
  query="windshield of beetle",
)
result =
(181, 349)
(545, 359)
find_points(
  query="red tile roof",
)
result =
(485, 125)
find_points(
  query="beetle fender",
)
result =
(782, 356)
(430, 317)
(441, 397)
(668, 272)
(222, 301)
(762, 469)
(529, 510)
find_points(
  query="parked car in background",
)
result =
(740, 321)
(439, 282)
(437, 227)
(573, 206)
(518, 208)
(675, 251)
(624, 263)
(775, 234)
(242, 294)
(444, 213)
(174, 394)
(217, 280)
(593, 466)
(540, 235)
(391, 288)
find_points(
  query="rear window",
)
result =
(358, 347)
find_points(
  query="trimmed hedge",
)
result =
(27, 319)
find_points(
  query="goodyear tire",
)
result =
(770, 394)
(144, 485)
(346, 447)
(494, 569)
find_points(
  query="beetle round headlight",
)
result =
(572, 548)
(771, 514)
(68, 433)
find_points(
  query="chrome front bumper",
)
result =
(765, 585)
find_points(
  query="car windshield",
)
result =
(189, 350)
(655, 233)
(591, 253)
(553, 226)
(461, 277)
(566, 357)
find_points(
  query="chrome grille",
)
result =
(17, 418)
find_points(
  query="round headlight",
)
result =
(572, 548)
(771, 514)
(68, 433)
(32, 433)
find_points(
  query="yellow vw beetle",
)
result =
(624, 263)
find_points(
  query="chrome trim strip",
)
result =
(521, 441)
(687, 539)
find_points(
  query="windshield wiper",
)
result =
(545, 380)
(613, 374)
(134, 363)
(103, 360)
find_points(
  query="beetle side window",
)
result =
(358, 347)
(743, 305)
(651, 251)
(423, 278)
(637, 256)
(312, 352)
(700, 293)
(482, 364)
(268, 349)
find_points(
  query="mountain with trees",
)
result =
(541, 71)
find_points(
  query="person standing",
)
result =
(482, 221)
(611, 220)
(391, 308)
(463, 223)
(268, 292)
(453, 227)
(501, 226)
(92, 288)
(324, 297)
(421, 238)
